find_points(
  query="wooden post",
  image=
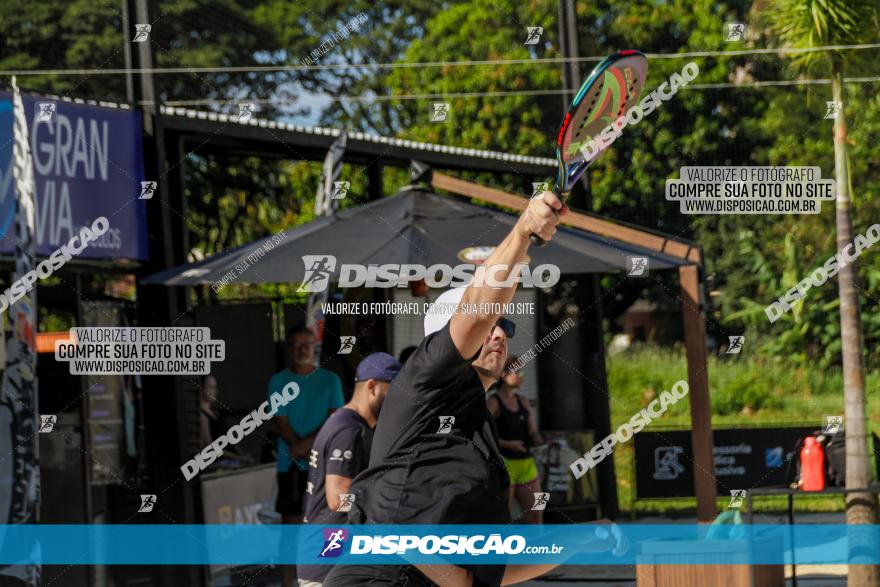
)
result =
(692, 309)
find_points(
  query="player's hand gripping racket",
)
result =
(611, 89)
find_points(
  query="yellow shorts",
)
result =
(521, 471)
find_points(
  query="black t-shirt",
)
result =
(435, 457)
(340, 448)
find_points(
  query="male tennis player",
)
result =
(435, 457)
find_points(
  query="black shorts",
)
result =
(291, 492)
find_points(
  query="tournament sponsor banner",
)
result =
(88, 163)
(241, 498)
(570, 544)
(744, 458)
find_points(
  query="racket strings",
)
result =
(583, 113)
(585, 123)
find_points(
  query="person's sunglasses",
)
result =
(508, 326)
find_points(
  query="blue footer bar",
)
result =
(576, 544)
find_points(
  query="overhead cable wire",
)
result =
(399, 65)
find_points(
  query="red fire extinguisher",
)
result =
(812, 465)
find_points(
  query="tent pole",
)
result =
(375, 189)
(692, 309)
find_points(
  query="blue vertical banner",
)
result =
(88, 162)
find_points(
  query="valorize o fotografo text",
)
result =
(420, 308)
(141, 350)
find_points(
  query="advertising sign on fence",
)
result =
(757, 457)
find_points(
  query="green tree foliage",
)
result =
(63, 35)
(88, 35)
(751, 259)
(301, 27)
(813, 24)
(481, 30)
(801, 136)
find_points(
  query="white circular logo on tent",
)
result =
(478, 255)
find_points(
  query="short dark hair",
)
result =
(301, 329)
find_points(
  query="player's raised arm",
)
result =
(469, 329)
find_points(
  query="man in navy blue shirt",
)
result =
(341, 450)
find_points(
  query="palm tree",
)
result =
(817, 23)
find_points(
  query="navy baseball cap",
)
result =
(378, 366)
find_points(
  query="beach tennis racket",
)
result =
(611, 89)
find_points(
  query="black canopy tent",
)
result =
(419, 226)
(413, 227)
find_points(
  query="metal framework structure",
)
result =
(262, 135)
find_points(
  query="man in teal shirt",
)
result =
(320, 393)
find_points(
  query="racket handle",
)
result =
(537, 240)
(562, 195)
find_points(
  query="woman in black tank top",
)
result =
(517, 432)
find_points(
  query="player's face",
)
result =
(377, 396)
(494, 352)
(301, 349)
